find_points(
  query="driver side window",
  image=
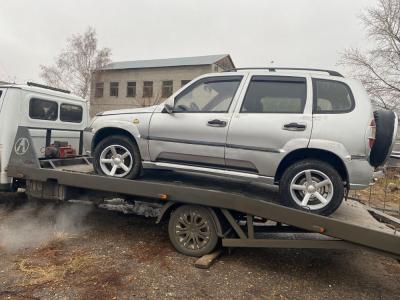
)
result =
(208, 95)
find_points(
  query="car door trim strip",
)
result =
(215, 144)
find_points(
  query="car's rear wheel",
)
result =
(117, 156)
(313, 186)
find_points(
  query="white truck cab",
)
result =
(34, 105)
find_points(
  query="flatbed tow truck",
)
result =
(243, 214)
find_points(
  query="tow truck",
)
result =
(204, 213)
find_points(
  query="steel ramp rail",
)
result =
(25, 165)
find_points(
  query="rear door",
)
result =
(273, 118)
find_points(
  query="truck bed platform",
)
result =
(351, 226)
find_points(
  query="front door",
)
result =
(195, 132)
(274, 118)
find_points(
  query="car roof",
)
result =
(42, 90)
(313, 73)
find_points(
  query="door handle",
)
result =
(216, 123)
(294, 126)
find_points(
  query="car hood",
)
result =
(148, 109)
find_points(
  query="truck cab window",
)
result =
(43, 109)
(71, 113)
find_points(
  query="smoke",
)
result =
(35, 225)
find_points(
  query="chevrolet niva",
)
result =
(311, 132)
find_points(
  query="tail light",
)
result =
(372, 133)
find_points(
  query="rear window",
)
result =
(71, 113)
(332, 97)
(43, 109)
(275, 94)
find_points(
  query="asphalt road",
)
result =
(59, 252)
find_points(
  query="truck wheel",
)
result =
(386, 127)
(192, 231)
(117, 156)
(313, 186)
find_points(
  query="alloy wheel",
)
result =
(116, 160)
(311, 189)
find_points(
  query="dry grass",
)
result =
(39, 271)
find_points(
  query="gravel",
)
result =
(117, 256)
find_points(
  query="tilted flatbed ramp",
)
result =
(351, 226)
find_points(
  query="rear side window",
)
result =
(332, 97)
(71, 113)
(275, 94)
(43, 109)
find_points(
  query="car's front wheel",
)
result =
(313, 186)
(117, 156)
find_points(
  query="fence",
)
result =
(384, 193)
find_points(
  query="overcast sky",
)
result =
(296, 33)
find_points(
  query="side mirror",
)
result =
(168, 108)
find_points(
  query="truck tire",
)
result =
(192, 231)
(385, 121)
(313, 186)
(117, 156)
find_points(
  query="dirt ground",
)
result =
(108, 255)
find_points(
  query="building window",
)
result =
(167, 88)
(184, 82)
(114, 89)
(147, 89)
(131, 89)
(43, 109)
(99, 90)
(71, 113)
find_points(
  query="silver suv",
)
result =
(308, 131)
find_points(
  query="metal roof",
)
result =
(36, 89)
(167, 62)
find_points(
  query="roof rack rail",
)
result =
(273, 69)
(47, 87)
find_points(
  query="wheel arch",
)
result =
(310, 153)
(108, 131)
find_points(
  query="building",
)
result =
(140, 83)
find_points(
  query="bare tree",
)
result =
(73, 68)
(379, 67)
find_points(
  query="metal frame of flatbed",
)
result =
(337, 234)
